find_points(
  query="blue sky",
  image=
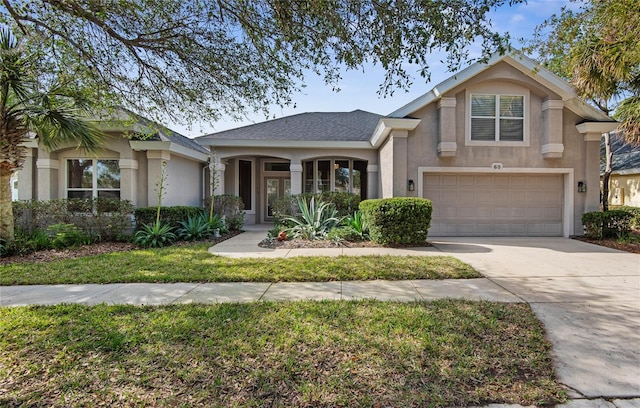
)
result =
(358, 89)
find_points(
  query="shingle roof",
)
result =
(164, 134)
(353, 126)
(625, 156)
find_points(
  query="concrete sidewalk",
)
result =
(184, 293)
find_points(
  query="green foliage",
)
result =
(66, 235)
(285, 207)
(154, 235)
(195, 228)
(229, 207)
(315, 220)
(397, 221)
(171, 216)
(357, 223)
(634, 223)
(607, 224)
(340, 234)
(105, 219)
(213, 58)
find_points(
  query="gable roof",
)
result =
(626, 157)
(148, 130)
(523, 64)
(355, 126)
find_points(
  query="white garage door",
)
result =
(495, 205)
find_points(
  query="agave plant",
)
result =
(315, 220)
(154, 235)
(195, 228)
(358, 224)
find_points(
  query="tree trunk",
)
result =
(608, 156)
(6, 208)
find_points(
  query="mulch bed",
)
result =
(633, 247)
(94, 249)
(303, 243)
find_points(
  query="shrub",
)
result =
(634, 223)
(344, 204)
(105, 219)
(314, 221)
(154, 235)
(397, 221)
(195, 228)
(343, 234)
(66, 235)
(607, 224)
(168, 215)
(229, 207)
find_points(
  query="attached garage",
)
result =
(466, 204)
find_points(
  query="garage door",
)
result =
(495, 205)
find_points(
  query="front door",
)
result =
(275, 187)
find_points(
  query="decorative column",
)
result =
(218, 169)
(447, 145)
(295, 170)
(552, 141)
(26, 179)
(372, 181)
(129, 180)
(47, 169)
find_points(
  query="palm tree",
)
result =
(54, 118)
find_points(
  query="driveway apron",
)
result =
(587, 296)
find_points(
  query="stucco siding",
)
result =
(624, 190)
(184, 182)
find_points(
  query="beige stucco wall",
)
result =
(44, 173)
(184, 182)
(624, 190)
(423, 141)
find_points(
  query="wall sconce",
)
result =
(411, 186)
(582, 187)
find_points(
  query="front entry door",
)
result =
(275, 187)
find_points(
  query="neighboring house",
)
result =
(126, 167)
(624, 183)
(504, 148)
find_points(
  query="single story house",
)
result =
(126, 167)
(624, 183)
(503, 148)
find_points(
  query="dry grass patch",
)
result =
(362, 354)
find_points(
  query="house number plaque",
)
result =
(496, 166)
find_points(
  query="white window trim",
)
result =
(526, 120)
(94, 176)
(332, 174)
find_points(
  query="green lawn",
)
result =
(356, 354)
(194, 264)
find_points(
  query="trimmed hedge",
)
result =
(168, 215)
(635, 215)
(608, 224)
(104, 219)
(398, 221)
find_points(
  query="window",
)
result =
(497, 118)
(88, 178)
(244, 183)
(342, 175)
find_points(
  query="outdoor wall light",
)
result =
(582, 187)
(411, 185)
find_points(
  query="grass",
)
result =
(356, 354)
(194, 264)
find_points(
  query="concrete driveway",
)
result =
(587, 296)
